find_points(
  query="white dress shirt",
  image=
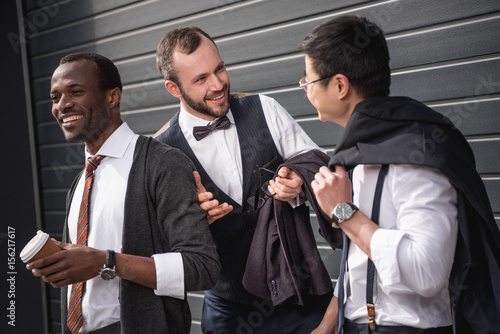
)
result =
(219, 153)
(413, 250)
(100, 305)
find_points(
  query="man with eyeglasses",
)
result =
(424, 248)
(237, 143)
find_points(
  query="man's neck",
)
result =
(94, 145)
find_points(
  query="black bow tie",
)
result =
(200, 132)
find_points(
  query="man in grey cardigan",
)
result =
(148, 240)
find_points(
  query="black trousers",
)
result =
(221, 316)
(354, 328)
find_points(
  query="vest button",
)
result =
(245, 213)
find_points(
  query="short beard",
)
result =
(203, 108)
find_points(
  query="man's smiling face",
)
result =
(203, 81)
(78, 102)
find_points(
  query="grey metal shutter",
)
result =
(445, 53)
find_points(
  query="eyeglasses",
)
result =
(262, 193)
(303, 84)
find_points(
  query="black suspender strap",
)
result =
(343, 264)
(370, 276)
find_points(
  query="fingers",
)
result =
(218, 212)
(331, 188)
(340, 169)
(326, 176)
(323, 176)
(58, 277)
(209, 205)
(199, 186)
(57, 283)
(325, 171)
(282, 192)
(284, 171)
(43, 262)
(62, 245)
(278, 187)
(214, 210)
(292, 181)
(50, 269)
(57, 280)
(204, 197)
(287, 185)
(76, 263)
(212, 207)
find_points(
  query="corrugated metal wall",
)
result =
(445, 53)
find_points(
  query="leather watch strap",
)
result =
(110, 259)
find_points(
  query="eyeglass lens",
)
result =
(258, 200)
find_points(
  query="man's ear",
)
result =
(114, 96)
(173, 88)
(341, 85)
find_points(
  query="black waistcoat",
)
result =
(233, 233)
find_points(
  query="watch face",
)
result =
(108, 274)
(343, 211)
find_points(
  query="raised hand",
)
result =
(211, 206)
(287, 185)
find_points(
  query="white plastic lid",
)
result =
(34, 246)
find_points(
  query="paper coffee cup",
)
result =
(39, 247)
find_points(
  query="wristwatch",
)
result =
(108, 272)
(342, 212)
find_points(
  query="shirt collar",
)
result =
(116, 145)
(189, 121)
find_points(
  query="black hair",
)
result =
(109, 77)
(352, 46)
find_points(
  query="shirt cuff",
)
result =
(169, 275)
(382, 246)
